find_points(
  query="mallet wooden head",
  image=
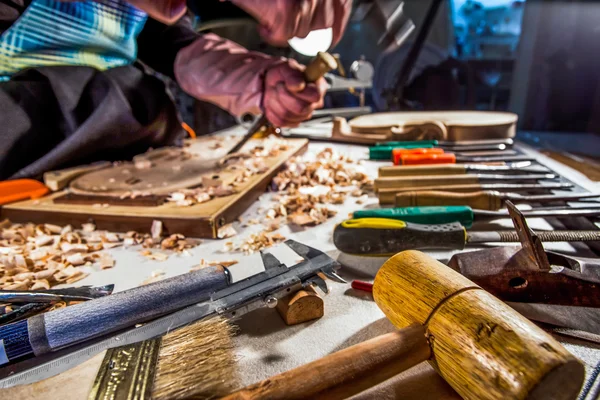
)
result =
(480, 346)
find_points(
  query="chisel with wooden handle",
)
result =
(381, 236)
(458, 169)
(388, 196)
(483, 200)
(433, 180)
(318, 67)
(466, 215)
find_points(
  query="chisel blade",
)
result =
(540, 213)
(548, 198)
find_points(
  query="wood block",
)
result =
(302, 306)
(200, 220)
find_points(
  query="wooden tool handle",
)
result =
(479, 200)
(319, 66)
(421, 170)
(388, 196)
(483, 348)
(346, 372)
(420, 181)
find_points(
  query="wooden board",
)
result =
(426, 125)
(201, 220)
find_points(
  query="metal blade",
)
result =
(541, 213)
(550, 197)
(309, 253)
(270, 261)
(528, 177)
(256, 126)
(320, 283)
(331, 274)
(527, 186)
(494, 159)
(303, 250)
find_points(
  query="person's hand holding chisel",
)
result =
(221, 72)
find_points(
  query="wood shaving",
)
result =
(88, 227)
(255, 242)
(157, 229)
(203, 264)
(42, 256)
(306, 209)
(329, 169)
(226, 232)
(156, 276)
(156, 256)
(105, 261)
(190, 197)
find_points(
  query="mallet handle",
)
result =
(346, 372)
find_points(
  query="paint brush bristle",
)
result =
(197, 362)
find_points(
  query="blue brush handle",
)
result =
(61, 328)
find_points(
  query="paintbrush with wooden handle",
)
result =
(194, 361)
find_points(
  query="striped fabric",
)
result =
(100, 34)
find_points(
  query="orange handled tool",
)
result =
(21, 189)
(421, 159)
(397, 154)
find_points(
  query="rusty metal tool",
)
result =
(319, 66)
(545, 286)
(482, 200)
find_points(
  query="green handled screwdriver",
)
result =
(380, 236)
(466, 215)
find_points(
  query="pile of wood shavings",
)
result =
(255, 243)
(305, 209)
(42, 256)
(329, 169)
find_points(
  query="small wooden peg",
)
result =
(302, 306)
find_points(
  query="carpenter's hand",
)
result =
(288, 99)
(219, 71)
(281, 20)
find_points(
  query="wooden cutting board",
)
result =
(200, 220)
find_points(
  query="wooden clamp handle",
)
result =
(478, 200)
(420, 181)
(346, 372)
(319, 66)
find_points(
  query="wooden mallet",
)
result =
(480, 346)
